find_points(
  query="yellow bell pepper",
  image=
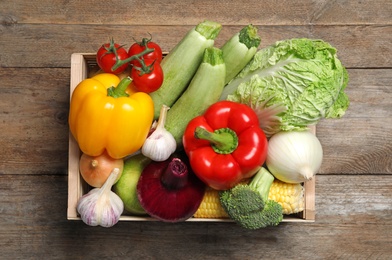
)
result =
(104, 117)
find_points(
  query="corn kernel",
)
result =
(210, 206)
(289, 196)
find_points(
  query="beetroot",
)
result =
(169, 190)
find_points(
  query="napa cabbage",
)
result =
(292, 84)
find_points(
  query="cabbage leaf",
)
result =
(292, 84)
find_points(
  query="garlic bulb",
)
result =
(294, 156)
(101, 206)
(161, 143)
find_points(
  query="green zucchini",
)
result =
(239, 50)
(204, 90)
(181, 63)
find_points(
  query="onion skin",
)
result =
(294, 157)
(169, 191)
(95, 170)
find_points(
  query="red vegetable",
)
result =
(169, 191)
(225, 145)
(139, 47)
(147, 78)
(107, 56)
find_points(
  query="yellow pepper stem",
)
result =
(119, 91)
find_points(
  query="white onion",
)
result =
(294, 156)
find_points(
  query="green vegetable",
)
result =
(204, 90)
(292, 84)
(182, 62)
(125, 187)
(239, 50)
(248, 204)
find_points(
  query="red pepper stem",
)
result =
(175, 176)
(119, 91)
(223, 140)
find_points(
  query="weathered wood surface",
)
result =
(354, 186)
(352, 222)
(28, 45)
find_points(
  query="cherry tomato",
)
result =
(147, 82)
(106, 58)
(138, 47)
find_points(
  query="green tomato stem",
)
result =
(223, 141)
(144, 69)
(138, 56)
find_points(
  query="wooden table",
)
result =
(353, 187)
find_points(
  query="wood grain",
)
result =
(51, 45)
(189, 12)
(34, 121)
(353, 189)
(352, 222)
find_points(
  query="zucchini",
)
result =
(182, 62)
(239, 50)
(204, 90)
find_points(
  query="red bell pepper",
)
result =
(225, 145)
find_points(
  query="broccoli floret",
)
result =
(241, 199)
(248, 204)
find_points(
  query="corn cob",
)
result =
(210, 206)
(289, 196)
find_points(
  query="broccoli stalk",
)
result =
(248, 204)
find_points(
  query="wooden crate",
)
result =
(83, 65)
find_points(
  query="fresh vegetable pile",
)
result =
(204, 132)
